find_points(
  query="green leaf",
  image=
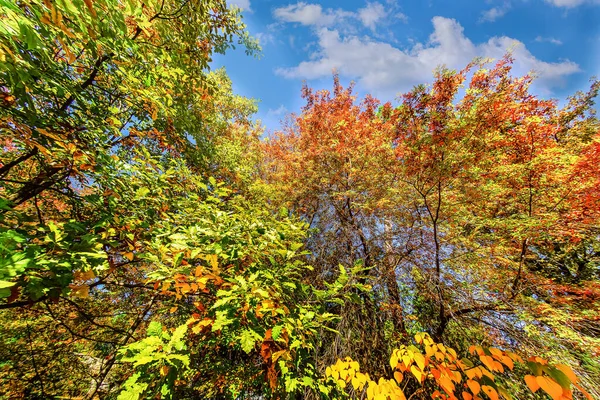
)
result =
(559, 377)
(133, 389)
(276, 331)
(248, 339)
(221, 321)
(154, 329)
(535, 368)
(5, 284)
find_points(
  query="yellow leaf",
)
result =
(490, 391)
(532, 383)
(82, 291)
(420, 360)
(358, 382)
(419, 338)
(416, 372)
(429, 351)
(371, 390)
(457, 376)
(442, 348)
(213, 260)
(452, 353)
(280, 353)
(474, 386)
(550, 386)
(84, 275)
(393, 360)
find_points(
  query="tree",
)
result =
(463, 202)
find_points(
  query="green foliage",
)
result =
(161, 353)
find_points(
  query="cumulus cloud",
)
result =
(372, 14)
(493, 14)
(314, 15)
(310, 14)
(380, 67)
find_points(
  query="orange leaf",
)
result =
(467, 396)
(128, 256)
(508, 362)
(398, 376)
(532, 383)
(550, 386)
(474, 386)
(90, 7)
(490, 391)
(473, 372)
(446, 384)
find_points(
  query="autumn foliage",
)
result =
(155, 243)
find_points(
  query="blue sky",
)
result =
(387, 46)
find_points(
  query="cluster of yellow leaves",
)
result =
(441, 366)
(348, 371)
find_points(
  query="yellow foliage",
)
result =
(441, 367)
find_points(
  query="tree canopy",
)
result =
(155, 244)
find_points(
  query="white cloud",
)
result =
(310, 14)
(570, 3)
(243, 4)
(372, 14)
(380, 67)
(278, 112)
(265, 38)
(549, 40)
(493, 14)
(314, 15)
